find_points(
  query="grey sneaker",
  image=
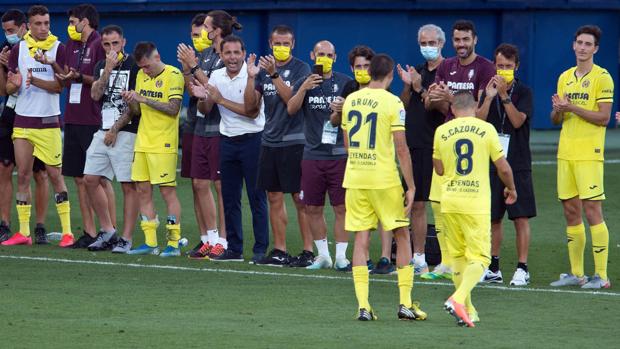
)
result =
(569, 280)
(122, 246)
(490, 277)
(104, 241)
(596, 283)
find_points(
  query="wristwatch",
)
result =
(193, 70)
(274, 75)
(506, 100)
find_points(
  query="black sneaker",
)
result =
(40, 236)
(384, 267)
(195, 250)
(275, 258)
(304, 259)
(5, 231)
(103, 242)
(366, 315)
(84, 241)
(229, 256)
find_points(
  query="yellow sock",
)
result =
(576, 246)
(469, 305)
(600, 248)
(64, 213)
(471, 276)
(405, 284)
(23, 215)
(360, 280)
(174, 234)
(458, 266)
(150, 232)
(446, 258)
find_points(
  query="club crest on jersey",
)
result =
(403, 116)
(286, 73)
(470, 74)
(159, 83)
(585, 83)
(335, 88)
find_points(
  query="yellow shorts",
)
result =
(366, 207)
(468, 235)
(155, 168)
(580, 178)
(47, 143)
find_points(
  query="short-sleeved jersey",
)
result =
(464, 146)
(158, 132)
(370, 116)
(198, 123)
(580, 139)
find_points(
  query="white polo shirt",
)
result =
(233, 124)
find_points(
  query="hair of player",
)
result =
(37, 10)
(441, 36)
(591, 29)
(15, 15)
(112, 28)
(282, 29)
(509, 51)
(232, 38)
(360, 51)
(87, 11)
(143, 49)
(224, 21)
(463, 100)
(199, 19)
(381, 66)
(464, 26)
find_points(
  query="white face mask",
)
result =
(430, 53)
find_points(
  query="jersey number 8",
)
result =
(464, 149)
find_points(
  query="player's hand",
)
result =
(29, 78)
(311, 82)
(416, 78)
(111, 60)
(15, 78)
(441, 93)
(198, 90)
(491, 89)
(560, 104)
(214, 94)
(253, 68)
(510, 196)
(70, 76)
(4, 56)
(501, 86)
(268, 63)
(42, 58)
(336, 104)
(186, 55)
(132, 97)
(403, 74)
(110, 138)
(617, 117)
(409, 194)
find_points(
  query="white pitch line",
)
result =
(303, 276)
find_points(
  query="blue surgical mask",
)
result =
(430, 53)
(12, 39)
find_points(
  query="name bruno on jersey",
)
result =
(370, 158)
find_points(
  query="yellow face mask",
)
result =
(362, 76)
(203, 42)
(73, 33)
(281, 53)
(326, 62)
(507, 74)
(119, 57)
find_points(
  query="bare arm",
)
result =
(404, 159)
(205, 106)
(297, 101)
(170, 108)
(251, 98)
(505, 174)
(98, 89)
(600, 117)
(336, 119)
(438, 165)
(482, 112)
(51, 86)
(284, 91)
(405, 96)
(516, 117)
(3, 82)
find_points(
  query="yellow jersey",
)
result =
(159, 132)
(580, 139)
(464, 146)
(370, 116)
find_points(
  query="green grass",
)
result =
(57, 304)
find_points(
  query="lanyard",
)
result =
(499, 110)
(81, 57)
(333, 83)
(118, 72)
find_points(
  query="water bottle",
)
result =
(54, 235)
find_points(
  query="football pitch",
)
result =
(57, 298)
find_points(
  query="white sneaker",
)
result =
(490, 277)
(569, 280)
(520, 278)
(342, 264)
(419, 269)
(321, 262)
